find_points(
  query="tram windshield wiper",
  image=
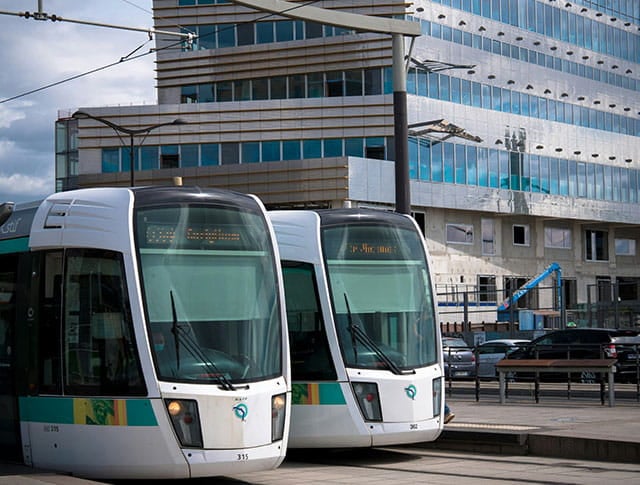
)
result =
(357, 333)
(352, 331)
(183, 338)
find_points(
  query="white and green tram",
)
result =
(142, 334)
(365, 344)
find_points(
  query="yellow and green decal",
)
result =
(98, 411)
(322, 393)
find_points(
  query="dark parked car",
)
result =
(459, 359)
(587, 343)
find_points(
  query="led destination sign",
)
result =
(165, 235)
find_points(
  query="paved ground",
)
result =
(551, 442)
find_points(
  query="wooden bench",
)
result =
(565, 366)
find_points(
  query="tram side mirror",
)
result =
(6, 209)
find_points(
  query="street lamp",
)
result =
(128, 131)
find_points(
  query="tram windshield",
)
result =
(381, 295)
(210, 293)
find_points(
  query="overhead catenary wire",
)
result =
(190, 38)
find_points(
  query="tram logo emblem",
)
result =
(411, 391)
(241, 411)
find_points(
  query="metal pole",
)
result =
(401, 128)
(131, 161)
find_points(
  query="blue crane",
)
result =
(553, 267)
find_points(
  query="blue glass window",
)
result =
(312, 149)
(297, 86)
(503, 156)
(456, 95)
(573, 178)
(534, 167)
(494, 163)
(250, 152)
(242, 90)
(515, 170)
(483, 167)
(544, 175)
(333, 147)
(206, 93)
(111, 160)
(465, 88)
(353, 83)
(315, 84)
(206, 37)
(260, 88)
(284, 30)
(413, 158)
(476, 94)
(354, 147)
(149, 156)
(189, 94)
(291, 150)
(436, 162)
(460, 165)
(554, 183)
(226, 35)
(271, 151)
(448, 159)
(444, 88)
(230, 153)
(224, 91)
(471, 165)
(125, 156)
(563, 177)
(425, 159)
(264, 32)
(372, 82)
(582, 179)
(599, 181)
(189, 155)
(209, 154)
(246, 33)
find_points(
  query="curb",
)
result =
(536, 444)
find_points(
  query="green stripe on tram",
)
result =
(317, 393)
(94, 411)
(18, 245)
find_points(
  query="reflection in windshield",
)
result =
(382, 270)
(210, 292)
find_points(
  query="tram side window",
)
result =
(310, 356)
(100, 356)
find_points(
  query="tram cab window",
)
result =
(310, 356)
(100, 356)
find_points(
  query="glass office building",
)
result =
(524, 129)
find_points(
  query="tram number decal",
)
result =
(242, 456)
(51, 428)
(413, 426)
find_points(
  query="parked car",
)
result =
(459, 359)
(491, 351)
(587, 343)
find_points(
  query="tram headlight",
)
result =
(186, 421)
(368, 399)
(278, 412)
(437, 396)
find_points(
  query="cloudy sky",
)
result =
(35, 54)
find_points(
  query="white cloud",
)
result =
(38, 53)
